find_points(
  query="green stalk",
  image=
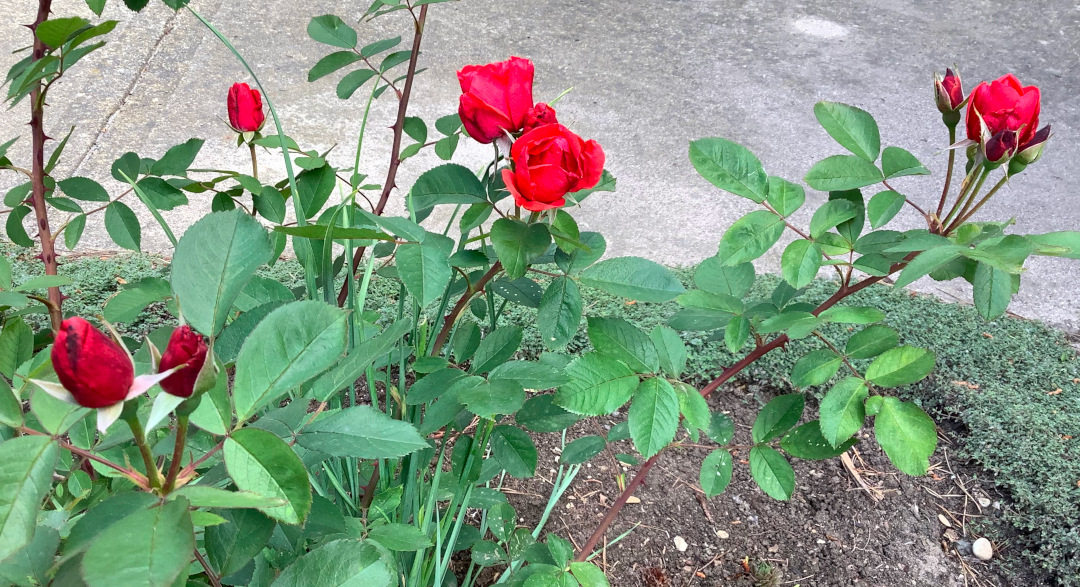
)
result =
(965, 189)
(962, 219)
(974, 193)
(152, 473)
(178, 453)
(302, 246)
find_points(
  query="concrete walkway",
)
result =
(648, 76)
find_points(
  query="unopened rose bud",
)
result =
(186, 347)
(90, 366)
(949, 92)
(1030, 151)
(245, 108)
(539, 115)
(1000, 146)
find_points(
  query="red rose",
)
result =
(1003, 105)
(949, 92)
(539, 115)
(93, 368)
(187, 348)
(495, 97)
(245, 108)
(550, 162)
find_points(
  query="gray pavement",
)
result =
(648, 76)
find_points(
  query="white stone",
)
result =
(982, 549)
(680, 544)
(723, 535)
(984, 502)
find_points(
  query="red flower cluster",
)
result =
(549, 161)
(1002, 115)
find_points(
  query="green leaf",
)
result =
(736, 332)
(841, 410)
(581, 450)
(497, 348)
(399, 537)
(127, 164)
(580, 258)
(260, 462)
(540, 414)
(31, 566)
(290, 346)
(777, 417)
(883, 207)
(772, 472)
(466, 340)
(715, 277)
(54, 31)
(213, 262)
(588, 575)
(750, 237)
(177, 159)
(361, 432)
(529, 374)
(635, 278)
(801, 262)
(807, 442)
(346, 562)
(425, 270)
(523, 291)
(897, 162)
(852, 315)
(852, 127)
(653, 416)
(693, 406)
(598, 385)
(730, 167)
(715, 473)
(73, 231)
(205, 496)
(621, 340)
(785, 197)
(352, 81)
(992, 289)
(842, 172)
(907, 435)
(123, 226)
(926, 262)
(233, 545)
(83, 188)
(14, 227)
(488, 400)
(815, 368)
(900, 366)
(830, 214)
(331, 30)
(332, 63)
(150, 547)
(517, 244)
(559, 315)
(26, 469)
(446, 184)
(871, 342)
(11, 413)
(127, 305)
(513, 448)
(670, 349)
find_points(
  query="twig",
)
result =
(448, 321)
(206, 568)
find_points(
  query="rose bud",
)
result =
(187, 348)
(1029, 152)
(90, 366)
(550, 162)
(495, 98)
(1000, 146)
(245, 108)
(94, 372)
(1003, 105)
(539, 115)
(948, 91)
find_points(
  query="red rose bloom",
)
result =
(245, 108)
(539, 115)
(550, 162)
(93, 368)
(186, 347)
(495, 98)
(1004, 105)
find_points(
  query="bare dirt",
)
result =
(860, 524)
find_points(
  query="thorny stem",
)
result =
(178, 453)
(448, 321)
(210, 574)
(188, 470)
(727, 374)
(37, 132)
(395, 150)
(133, 476)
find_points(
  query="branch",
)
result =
(133, 476)
(448, 321)
(395, 150)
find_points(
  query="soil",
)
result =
(884, 531)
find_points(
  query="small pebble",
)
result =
(680, 544)
(984, 502)
(633, 499)
(982, 549)
(723, 535)
(944, 521)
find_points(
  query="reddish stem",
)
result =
(395, 160)
(37, 134)
(615, 507)
(448, 321)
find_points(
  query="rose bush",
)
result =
(282, 438)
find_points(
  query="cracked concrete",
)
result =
(647, 78)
